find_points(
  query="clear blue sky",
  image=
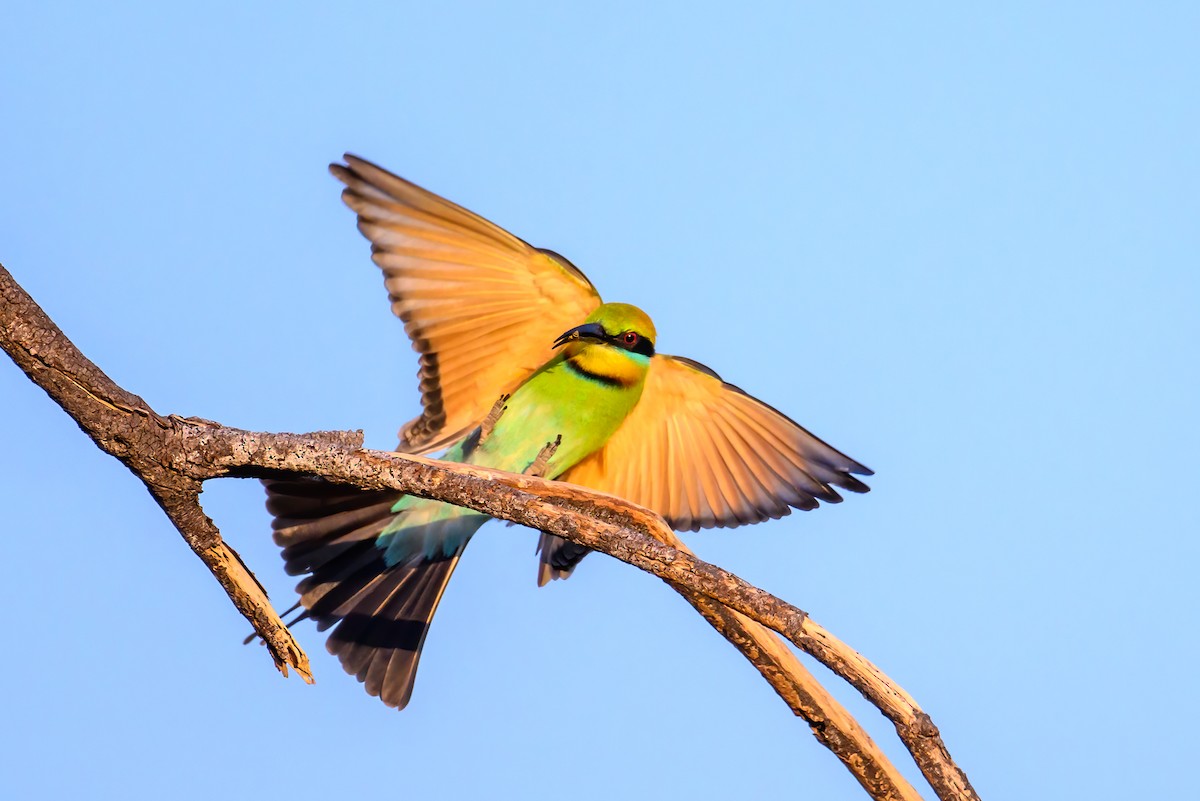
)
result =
(959, 243)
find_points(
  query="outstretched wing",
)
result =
(703, 453)
(481, 306)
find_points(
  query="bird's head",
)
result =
(615, 325)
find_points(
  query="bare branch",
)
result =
(173, 455)
(124, 425)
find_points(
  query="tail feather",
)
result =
(331, 596)
(308, 499)
(382, 647)
(380, 614)
(558, 558)
(306, 557)
(297, 533)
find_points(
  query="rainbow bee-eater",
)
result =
(493, 318)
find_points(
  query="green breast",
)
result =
(555, 401)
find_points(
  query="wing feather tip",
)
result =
(852, 484)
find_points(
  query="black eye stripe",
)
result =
(643, 345)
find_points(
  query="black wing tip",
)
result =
(804, 500)
(849, 482)
(749, 517)
(356, 168)
(350, 168)
(351, 162)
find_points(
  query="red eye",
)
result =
(629, 338)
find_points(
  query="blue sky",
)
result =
(959, 243)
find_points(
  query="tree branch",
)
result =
(173, 456)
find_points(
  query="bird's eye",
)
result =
(629, 338)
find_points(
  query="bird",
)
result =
(522, 367)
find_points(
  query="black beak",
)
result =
(589, 331)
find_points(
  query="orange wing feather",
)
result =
(481, 306)
(703, 453)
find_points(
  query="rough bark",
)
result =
(173, 456)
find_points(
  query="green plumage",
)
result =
(556, 401)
